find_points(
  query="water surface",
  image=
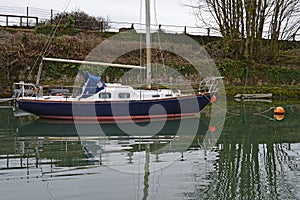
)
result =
(256, 157)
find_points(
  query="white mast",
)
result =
(148, 45)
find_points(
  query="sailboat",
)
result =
(113, 101)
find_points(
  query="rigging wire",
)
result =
(156, 63)
(48, 42)
(159, 41)
(46, 48)
(142, 73)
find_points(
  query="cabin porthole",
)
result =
(105, 95)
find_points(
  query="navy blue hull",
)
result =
(173, 107)
(55, 128)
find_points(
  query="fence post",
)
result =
(6, 21)
(51, 17)
(185, 30)
(208, 31)
(101, 25)
(27, 14)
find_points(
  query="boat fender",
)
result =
(213, 99)
(212, 129)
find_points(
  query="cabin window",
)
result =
(156, 95)
(168, 95)
(105, 95)
(124, 95)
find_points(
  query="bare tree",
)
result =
(285, 21)
(248, 20)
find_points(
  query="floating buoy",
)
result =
(213, 99)
(279, 117)
(279, 111)
(212, 128)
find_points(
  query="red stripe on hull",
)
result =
(117, 118)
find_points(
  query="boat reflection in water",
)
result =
(62, 128)
(53, 146)
(112, 143)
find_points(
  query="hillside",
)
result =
(21, 48)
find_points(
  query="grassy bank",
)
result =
(21, 48)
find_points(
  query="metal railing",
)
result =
(210, 84)
(30, 17)
(22, 89)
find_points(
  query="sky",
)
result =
(169, 12)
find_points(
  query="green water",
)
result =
(255, 157)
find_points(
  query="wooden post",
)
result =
(6, 21)
(101, 25)
(21, 21)
(51, 17)
(294, 36)
(185, 30)
(208, 31)
(27, 14)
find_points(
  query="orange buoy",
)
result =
(213, 99)
(212, 128)
(279, 111)
(279, 117)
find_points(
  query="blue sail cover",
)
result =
(93, 85)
